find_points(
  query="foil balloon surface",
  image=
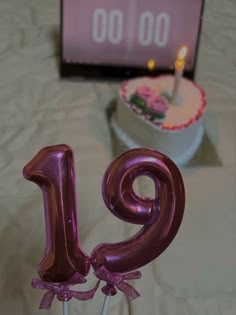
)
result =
(160, 216)
(52, 169)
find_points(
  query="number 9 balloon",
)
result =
(161, 216)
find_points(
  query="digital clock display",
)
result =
(129, 33)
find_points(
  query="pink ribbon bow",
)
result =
(116, 280)
(62, 290)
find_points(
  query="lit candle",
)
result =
(151, 65)
(179, 70)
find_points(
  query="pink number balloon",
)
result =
(161, 217)
(53, 170)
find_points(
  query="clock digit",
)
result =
(115, 26)
(162, 29)
(146, 29)
(99, 25)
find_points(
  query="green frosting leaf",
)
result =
(138, 102)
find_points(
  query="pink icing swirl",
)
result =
(144, 92)
(156, 105)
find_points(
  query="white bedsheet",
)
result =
(197, 274)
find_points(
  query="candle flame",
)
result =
(179, 64)
(182, 54)
(151, 64)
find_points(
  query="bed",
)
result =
(197, 274)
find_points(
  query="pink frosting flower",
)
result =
(156, 105)
(144, 92)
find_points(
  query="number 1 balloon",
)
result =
(64, 263)
(160, 216)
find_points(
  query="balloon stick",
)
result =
(106, 305)
(65, 308)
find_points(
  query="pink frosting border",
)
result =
(160, 124)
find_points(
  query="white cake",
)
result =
(178, 134)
